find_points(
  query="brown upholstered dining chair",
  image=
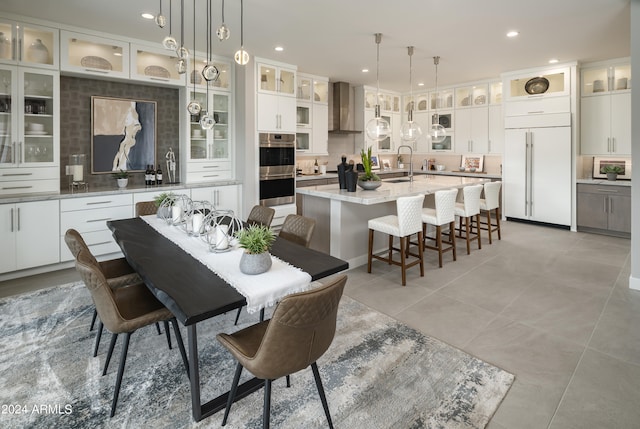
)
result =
(298, 229)
(145, 208)
(123, 311)
(261, 215)
(297, 335)
(117, 272)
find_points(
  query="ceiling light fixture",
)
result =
(147, 15)
(279, 48)
(169, 42)
(512, 33)
(160, 18)
(223, 31)
(553, 61)
(437, 133)
(365, 70)
(241, 56)
(378, 128)
(410, 130)
(420, 83)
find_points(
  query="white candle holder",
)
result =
(174, 207)
(219, 230)
(194, 218)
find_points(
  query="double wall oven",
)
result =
(277, 168)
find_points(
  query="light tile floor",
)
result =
(551, 306)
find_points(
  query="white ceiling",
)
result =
(335, 38)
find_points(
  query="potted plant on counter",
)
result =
(122, 178)
(164, 202)
(368, 180)
(256, 240)
(612, 171)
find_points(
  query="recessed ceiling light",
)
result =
(512, 34)
(365, 70)
(553, 61)
(420, 83)
(147, 15)
(279, 48)
(117, 54)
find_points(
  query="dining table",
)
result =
(194, 293)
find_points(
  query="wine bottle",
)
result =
(146, 176)
(159, 175)
(315, 166)
(152, 176)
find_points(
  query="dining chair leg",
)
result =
(183, 352)
(232, 393)
(467, 228)
(391, 249)
(452, 238)
(498, 222)
(98, 336)
(478, 235)
(323, 398)
(370, 250)
(288, 380)
(489, 225)
(421, 252)
(93, 319)
(112, 344)
(123, 359)
(403, 262)
(266, 412)
(237, 316)
(168, 332)
(158, 328)
(439, 243)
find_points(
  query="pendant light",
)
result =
(223, 31)
(410, 130)
(161, 20)
(194, 107)
(437, 133)
(182, 51)
(241, 56)
(169, 42)
(378, 128)
(210, 72)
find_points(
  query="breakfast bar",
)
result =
(341, 216)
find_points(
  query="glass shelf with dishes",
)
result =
(86, 54)
(28, 44)
(155, 65)
(545, 83)
(442, 99)
(495, 93)
(606, 79)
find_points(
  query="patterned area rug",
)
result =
(377, 373)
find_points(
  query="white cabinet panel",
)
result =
(472, 130)
(496, 130)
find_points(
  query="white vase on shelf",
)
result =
(5, 46)
(38, 52)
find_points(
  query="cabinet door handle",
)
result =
(18, 218)
(98, 71)
(16, 174)
(98, 202)
(608, 144)
(14, 51)
(211, 175)
(610, 205)
(613, 144)
(604, 204)
(19, 53)
(11, 220)
(489, 143)
(99, 220)
(6, 188)
(19, 154)
(210, 166)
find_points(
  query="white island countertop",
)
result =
(391, 189)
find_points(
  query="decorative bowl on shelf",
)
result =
(369, 185)
(438, 146)
(461, 168)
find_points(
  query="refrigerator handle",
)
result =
(526, 171)
(530, 173)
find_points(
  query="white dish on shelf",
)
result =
(95, 62)
(157, 71)
(35, 133)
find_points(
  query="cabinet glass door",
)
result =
(7, 106)
(495, 92)
(39, 45)
(268, 78)
(220, 147)
(304, 89)
(442, 99)
(90, 54)
(303, 141)
(320, 91)
(197, 136)
(7, 41)
(479, 95)
(287, 82)
(39, 130)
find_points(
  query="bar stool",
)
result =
(491, 201)
(442, 215)
(407, 222)
(466, 210)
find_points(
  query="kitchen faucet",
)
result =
(410, 160)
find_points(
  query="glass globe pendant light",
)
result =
(182, 51)
(161, 20)
(194, 106)
(378, 129)
(169, 42)
(223, 31)
(241, 56)
(210, 72)
(410, 130)
(207, 121)
(437, 133)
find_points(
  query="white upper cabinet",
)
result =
(156, 65)
(91, 55)
(537, 84)
(276, 79)
(27, 44)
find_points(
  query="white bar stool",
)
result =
(442, 215)
(467, 210)
(407, 222)
(491, 201)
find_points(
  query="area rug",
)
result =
(378, 373)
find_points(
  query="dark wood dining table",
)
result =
(167, 269)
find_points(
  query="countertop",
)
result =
(108, 190)
(388, 191)
(604, 182)
(381, 173)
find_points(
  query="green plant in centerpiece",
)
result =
(366, 162)
(256, 239)
(159, 199)
(612, 169)
(121, 174)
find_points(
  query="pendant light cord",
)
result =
(181, 24)
(436, 61)
(242, 25)
(223, 11)
(194, 49)
(378, 37)
(161, 7)
(170, 20)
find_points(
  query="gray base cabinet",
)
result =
(604, 209)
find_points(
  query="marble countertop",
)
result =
(389, 191)
(108, 190)
(605, 182)
(459, 174)
(316, 176)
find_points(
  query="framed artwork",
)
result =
(599, 163)
(386, 164)
(123, 134)
(472, 161)
(375, 162)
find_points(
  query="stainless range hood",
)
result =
(343, 113)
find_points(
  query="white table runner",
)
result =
(262, 290)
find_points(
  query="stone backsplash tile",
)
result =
(75, 122)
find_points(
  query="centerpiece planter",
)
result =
(368, 181)
(255, 264)
(369, 185)
(256, 241)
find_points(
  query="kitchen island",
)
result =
(341, 216)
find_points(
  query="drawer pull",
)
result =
(99, 244)
(211, 175)
(99, 220)
(16, 187)
(607, 190)
(16, 174)
(97, 71)
(98, 202)
(210, 166)
(536, 112)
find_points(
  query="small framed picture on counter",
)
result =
(600, 162)
(375, 162)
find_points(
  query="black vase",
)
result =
(352, 180)
(342, 169)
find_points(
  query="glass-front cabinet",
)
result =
(198, 62)
(611, 78)
(320, 91)
(442, 99)
(82, 53)
(277, 79)
(305, 88)
(469, 96)
(155, 65)
(29, 123)
(29, 45)
(547, 83)
(495, 93)
(212, 144)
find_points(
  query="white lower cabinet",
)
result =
(222, 197)
(89, 216)
(29, 233)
